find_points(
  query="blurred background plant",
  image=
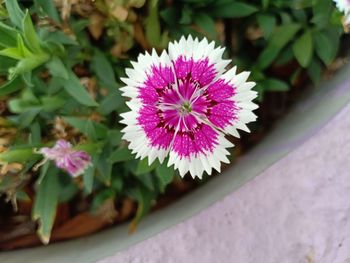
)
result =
(60, 65)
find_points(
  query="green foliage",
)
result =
(303, 49)
(11, 86)
(152, 24)
(279, 39)
(232, 9)
(19, 155)
(59, 76)
(15, 13)
(165, 175)
(75, 89)
(120, 155)
(144, 198)
(45, 202)
(182, 14)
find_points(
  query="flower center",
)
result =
(186, 108)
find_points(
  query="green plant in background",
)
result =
(199, 17)
(307, 32)
(59, 76)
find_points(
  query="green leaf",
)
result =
(303, 49)
(51, 103)
(143, 167)
(35, 133)
(68, 189)
(267, 24)
(8, 36)
(285, 57)
(45, 204)
(152, 26)
(104, 167)
(315, 71)
(121, 155)
(5, 64)
(326, 46)
(30, 35)
(206, 23)
(88, 179)
(11, 86)
(74, 88)
(233, 10)
(336, 18)
(15, 13)
(286, 18)
(265, 4)
(186, 15)
(299, 4)
(54, 85)
(111, 102)
(117, 183)
(103, 69)
(58, 37)
(322, 11)
(28, 64)
(18, 155)
(170, 15)
(147, 179)
(90, 148)
(281, 36)
(165, 175)
(57, 68)
(144, 199)
(21, 104)
(3, 12)
(49, 8)
(27, 78)
(295, 76)
(40, 85)
(27, 117)
(12, 52)
(274, 85)
(23, 48)
(43, 172)
(114, 137)
(300, 15)
(91, 129)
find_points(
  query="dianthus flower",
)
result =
(66, 158)
(182, 103)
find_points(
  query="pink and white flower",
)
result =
(66, 158)
(344, 6)
(183, 103)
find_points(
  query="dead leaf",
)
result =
(253, 33)
(120, 13)
(96, 26)
(107, 211)
(127, 209)
(140, 36)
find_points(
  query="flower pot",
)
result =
(306, 118)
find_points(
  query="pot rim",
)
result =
(305, 119)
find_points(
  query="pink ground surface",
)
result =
(296, 211)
